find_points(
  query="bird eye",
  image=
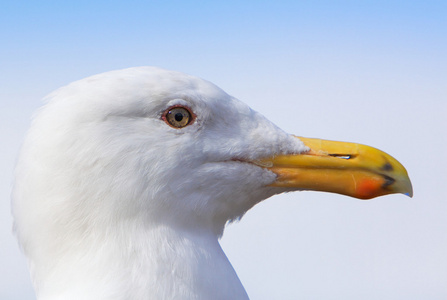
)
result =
(178, 117)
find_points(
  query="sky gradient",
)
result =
(373, 72)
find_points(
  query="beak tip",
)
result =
(410, 193)
(409, 189)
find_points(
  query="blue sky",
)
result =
(367, 71)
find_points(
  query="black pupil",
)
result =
(178, 117)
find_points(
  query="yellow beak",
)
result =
(345, 168)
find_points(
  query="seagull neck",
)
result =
(190, 263)
(152, 262)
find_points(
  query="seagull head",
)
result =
(153, 144)
(150, 147)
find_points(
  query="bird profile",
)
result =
(126, 180)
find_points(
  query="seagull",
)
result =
(127, 179)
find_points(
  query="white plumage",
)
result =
(112, 201)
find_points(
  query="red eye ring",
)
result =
(178, 116)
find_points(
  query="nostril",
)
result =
(343, 156)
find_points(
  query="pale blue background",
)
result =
(373, 72)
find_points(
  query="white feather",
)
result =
(110, 202)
